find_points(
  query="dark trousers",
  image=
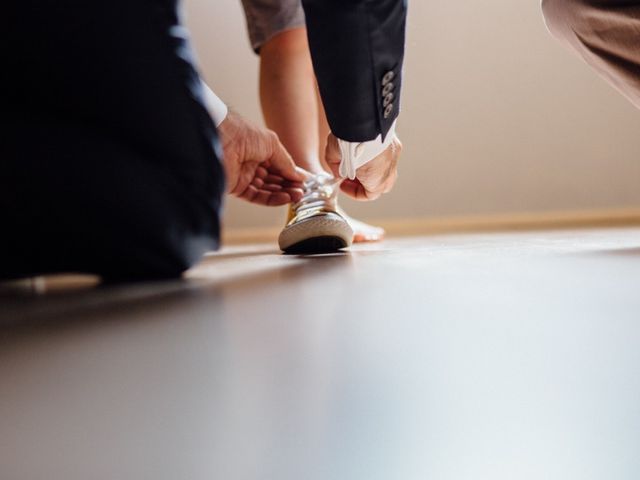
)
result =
(109, 161)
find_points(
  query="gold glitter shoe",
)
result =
(314, 224)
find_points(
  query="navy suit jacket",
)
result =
(357, 47)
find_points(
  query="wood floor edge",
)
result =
(471, 223)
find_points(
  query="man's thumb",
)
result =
(284, 164)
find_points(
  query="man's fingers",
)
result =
(273, 178)
(356, 190)
(282, 163)
(261, 172)
(377, 176)
(243, 180)
(391, 182)
(296, 194)
(280, 198)
(257, 166)
(265, 197)
(271, 187)
(288, 184)
(254, 195)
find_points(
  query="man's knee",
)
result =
(108, 212)
(158, 257)
(166, 233)
(566, 18)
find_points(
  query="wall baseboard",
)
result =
(473, 223)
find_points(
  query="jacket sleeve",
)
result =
(357, 47)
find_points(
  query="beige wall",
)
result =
(497, 118)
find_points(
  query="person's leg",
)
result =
(288, 96)
(605, 33)
(110, 160)
(323, 129)
(292, 107)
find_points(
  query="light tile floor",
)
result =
(497, 356)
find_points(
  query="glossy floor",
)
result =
(485, 356)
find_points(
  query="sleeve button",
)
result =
(388, 77)
(388, 110)
(388, 99)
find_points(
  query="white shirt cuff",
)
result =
(355, 154)
(217, 108)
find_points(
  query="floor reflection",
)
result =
(67, 299)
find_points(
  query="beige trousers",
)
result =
(606, 34)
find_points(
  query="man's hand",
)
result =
(257, 167)
(372, 179)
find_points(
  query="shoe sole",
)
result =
(316, 235)
(316, 245)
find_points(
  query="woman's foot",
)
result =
(362, 232)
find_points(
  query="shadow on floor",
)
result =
(23, 311)
(242, 254)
